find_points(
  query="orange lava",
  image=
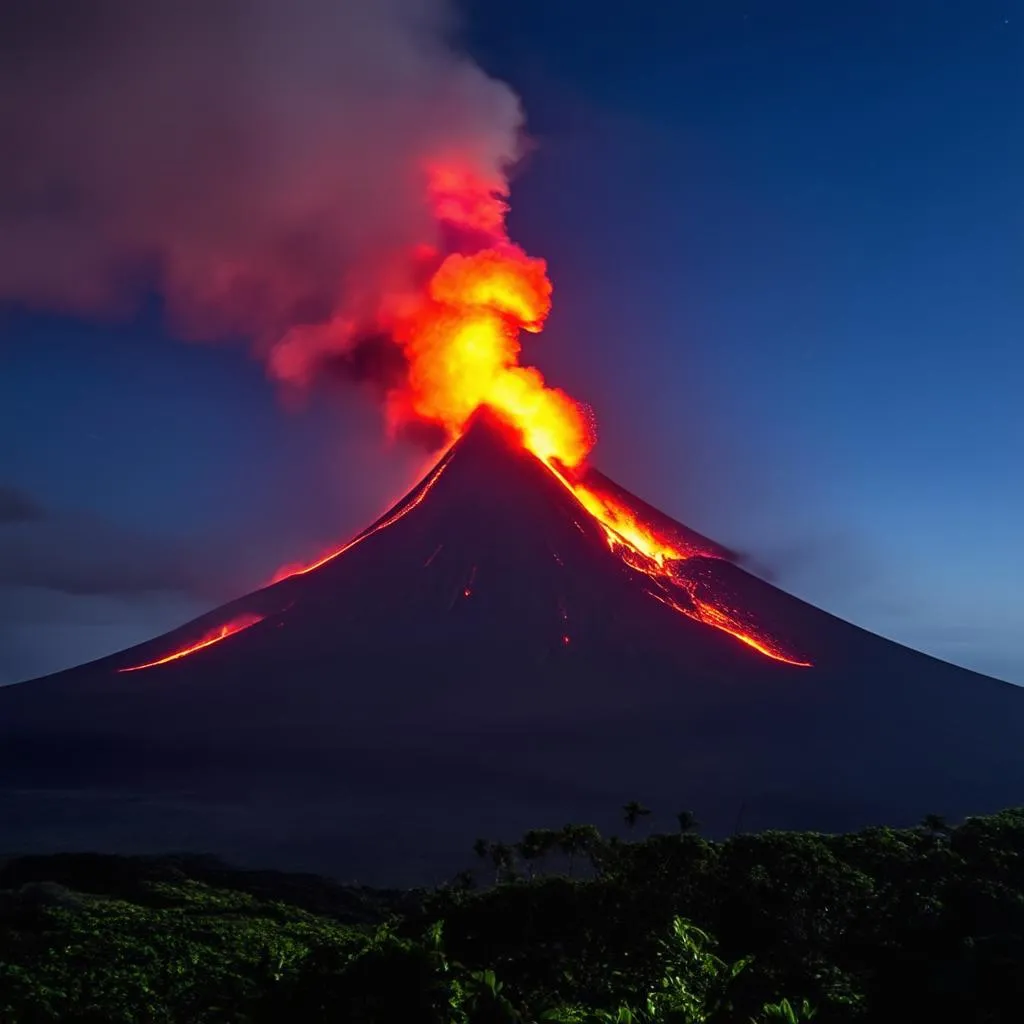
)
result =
(646, 551)
(300, 570)
(622, 526)
(221, 633)
(711, 615)
(461, 338)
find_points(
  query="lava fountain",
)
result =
(460, 333)
(461, 337)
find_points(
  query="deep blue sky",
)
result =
(787, 241)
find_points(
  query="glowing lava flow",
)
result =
(710, 615)
(647, 552)
(300, 570)
(623, 527)
(221, 633)
(460, 335)
(461, 339)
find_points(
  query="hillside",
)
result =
(482, 661)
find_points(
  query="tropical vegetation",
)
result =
(562, 925)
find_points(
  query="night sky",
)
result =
(787, 243)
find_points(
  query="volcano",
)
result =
(485, 658)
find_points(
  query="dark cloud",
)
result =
(81, 554)
(43, 631)
(261, 162)
(374, 359)
(123, 566)
(74, 586)
(18, 507)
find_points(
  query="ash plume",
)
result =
(259, 163)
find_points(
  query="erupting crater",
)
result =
(517, 642)
(655, 557)
(491, 643)
(460, 337)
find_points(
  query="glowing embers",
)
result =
(467, 590)
(563, 614)
(300, 570)
(236, 625)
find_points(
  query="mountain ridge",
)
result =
(481, 651)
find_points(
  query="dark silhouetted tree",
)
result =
(936, 825)
(577, 840)
(464, 881)
(503, 858)
(633, 811)
(482, 848)
(535, 846)
(687, 822)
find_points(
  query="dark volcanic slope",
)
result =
(419, 690)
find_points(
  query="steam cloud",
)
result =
(258, 162)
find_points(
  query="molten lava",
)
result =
(221, 633)
(461, 338)
(300, 570)
(460, 335)
(658, 557)
(729, 622)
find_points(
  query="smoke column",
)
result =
(265, 165)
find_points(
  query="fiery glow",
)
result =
(460, 334)
(646, 551)
(300, 570)
(462, 198)
(710, 615)
(622, 526)
(221, 633)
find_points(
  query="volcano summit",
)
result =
(488, 657)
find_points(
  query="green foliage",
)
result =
(884, 924)
(199, 954)
(901, 925)
(785, 1012)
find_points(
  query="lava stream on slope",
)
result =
(655, 555)
(236, 625)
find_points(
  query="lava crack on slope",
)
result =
(236, 625)
(289, 571)
(650, 553)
